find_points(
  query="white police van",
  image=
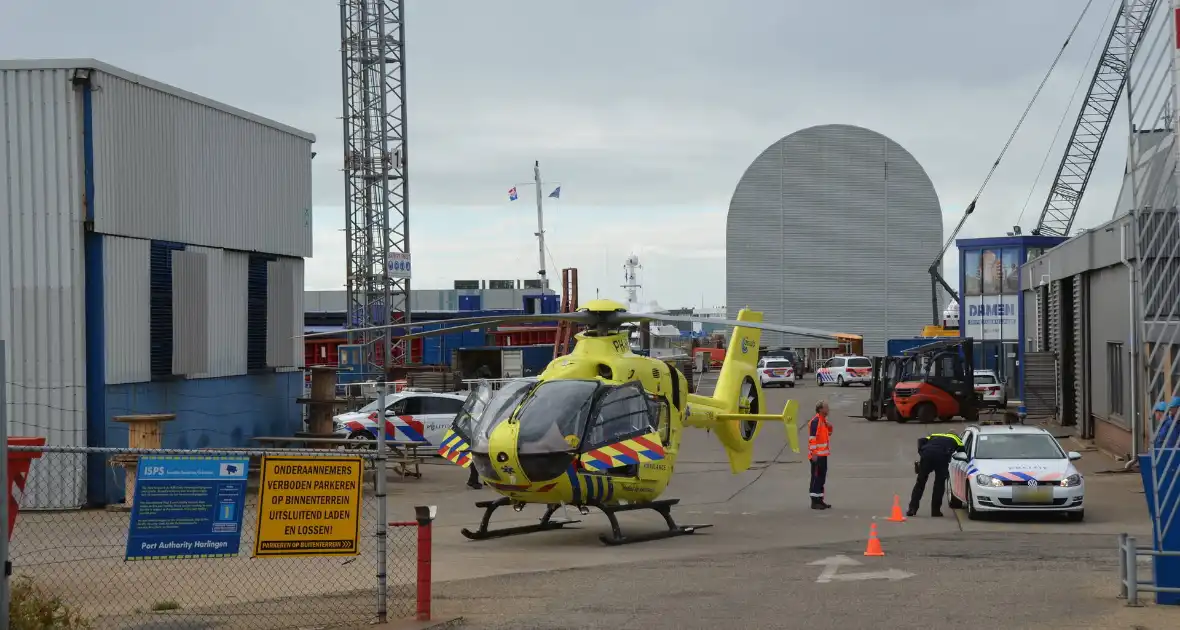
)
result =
(844, 370)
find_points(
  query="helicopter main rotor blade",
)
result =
(792, 330)
(457, 320)
(465, 323)
(576, 318)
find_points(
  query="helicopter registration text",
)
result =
(309, 506)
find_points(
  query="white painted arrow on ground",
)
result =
(832, 566)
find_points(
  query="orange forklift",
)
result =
(934, 381)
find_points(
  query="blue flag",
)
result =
(512, 194)
(556, 194)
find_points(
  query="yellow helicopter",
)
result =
(601, 427)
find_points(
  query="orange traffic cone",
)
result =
(874, 546)
(896, 516)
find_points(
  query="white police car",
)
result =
(989, 385)
(1015, 469)
(410, 416)
(776, 371)
(845, 370)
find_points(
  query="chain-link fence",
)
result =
(1153, 239)
(77, 555)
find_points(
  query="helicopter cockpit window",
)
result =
(501, 403)
(622, 412)
(467, 419)
(554, 416)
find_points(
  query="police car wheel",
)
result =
(972, 513)
(953, 501)
(840, 381)
(361, 439)
(791, 385)
(1076, 517)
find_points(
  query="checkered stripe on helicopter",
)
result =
(645, 448)
(455, 449)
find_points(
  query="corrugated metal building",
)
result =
(834, 227)
(153, 244)
(1078, 308)
(1078, 311)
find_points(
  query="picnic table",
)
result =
(404, 455)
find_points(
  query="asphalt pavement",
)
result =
(758, 566)
(976, 582)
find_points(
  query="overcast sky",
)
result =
(646, 113)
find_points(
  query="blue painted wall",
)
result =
(210, 413)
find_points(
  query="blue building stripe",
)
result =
(94, 318)
(256, 308)
(162, 335)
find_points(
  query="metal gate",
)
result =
(1040, 384)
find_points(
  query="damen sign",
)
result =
(991, 317)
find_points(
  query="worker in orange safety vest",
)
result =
(819, 434)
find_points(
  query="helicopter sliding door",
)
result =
(623, 431)
(456, 443)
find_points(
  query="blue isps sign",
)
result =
(187, 507)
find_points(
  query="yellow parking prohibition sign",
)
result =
(309, 506)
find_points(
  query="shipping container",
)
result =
(896, 346)
(524, 335)
(541, 303)
(42, 278)
(511, 363)
(469, 302)
(468, 361)
(536, 358)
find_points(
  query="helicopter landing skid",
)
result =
(664, 507)
(483, 533)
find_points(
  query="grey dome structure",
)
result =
(834, 227)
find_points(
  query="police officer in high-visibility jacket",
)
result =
(819, 435)
(934, 453)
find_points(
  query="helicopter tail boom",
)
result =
(787, 417)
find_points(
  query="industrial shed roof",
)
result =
(70, 64)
